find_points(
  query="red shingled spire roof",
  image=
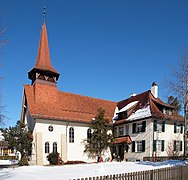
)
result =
(43, 59)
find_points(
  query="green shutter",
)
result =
(163, 144)
(133, 146)
(180, 145)
(154, 145)
(175, 127)
(134, 128)
(143, 145)
(174, 145)
(144, 126)
(163, 126)
(181, 128)
(155, 125)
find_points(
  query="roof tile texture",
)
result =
(43, 59)
(46, 101)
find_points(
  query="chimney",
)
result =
(154, 89)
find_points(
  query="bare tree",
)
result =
(172, 150)
(178, 85)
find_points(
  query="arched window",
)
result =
(54, 147)
(88, 134)
(47, 147)
(41, 77)
(50, 79)
(71, 135)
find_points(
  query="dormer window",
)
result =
(122, 115)
(167, 111)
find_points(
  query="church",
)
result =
(58, 120)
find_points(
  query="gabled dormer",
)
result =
(43, 71)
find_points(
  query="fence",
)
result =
(170, 173)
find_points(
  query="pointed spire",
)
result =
(43, 59)
(43, 68)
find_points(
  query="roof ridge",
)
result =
(86, 96)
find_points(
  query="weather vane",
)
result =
(44, 11)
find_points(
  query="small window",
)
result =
(159, 126)
(47, 147)
(71, 135)
(50, 79)
(139, 127)
(41, 77)
(126, 129)
(177, 146)
(89, 134)
(115, 131)
(50, 128)
(138, 146)
(55, 147)
(121, 130)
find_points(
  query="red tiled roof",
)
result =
(46, 101)
(120, 140)
(43, 59)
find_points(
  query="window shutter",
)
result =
(174, 145)
(180, 145)
(155, 125)
(181, 128)
(134, 128)
(126, 147)
(144, 126)
(143, 145)
(163, 126)
(154, 145)
(133, 146)
(162, 147)
(175, 127)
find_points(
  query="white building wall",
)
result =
(74, 151)
(147, 136)
(168, 136)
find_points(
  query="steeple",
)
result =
(43, 71)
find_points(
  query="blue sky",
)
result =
(102, 48)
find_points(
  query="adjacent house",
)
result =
(146, 128)
(5, 151)
(59, 121)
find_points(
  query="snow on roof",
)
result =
(140, 113)
(128, 106)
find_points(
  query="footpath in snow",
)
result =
(66, 172)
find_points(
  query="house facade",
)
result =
(151, 128)
(59, 121)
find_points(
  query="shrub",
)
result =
(53, 158)
(23, 161)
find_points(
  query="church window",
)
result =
(50, 128)
(71, 135)
(54, 147)
(47, 147)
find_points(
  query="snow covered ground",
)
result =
(67, 172)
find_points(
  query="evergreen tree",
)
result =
(173, 101)
(100, 138)
(19, 138)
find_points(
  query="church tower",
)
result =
(43, 72)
